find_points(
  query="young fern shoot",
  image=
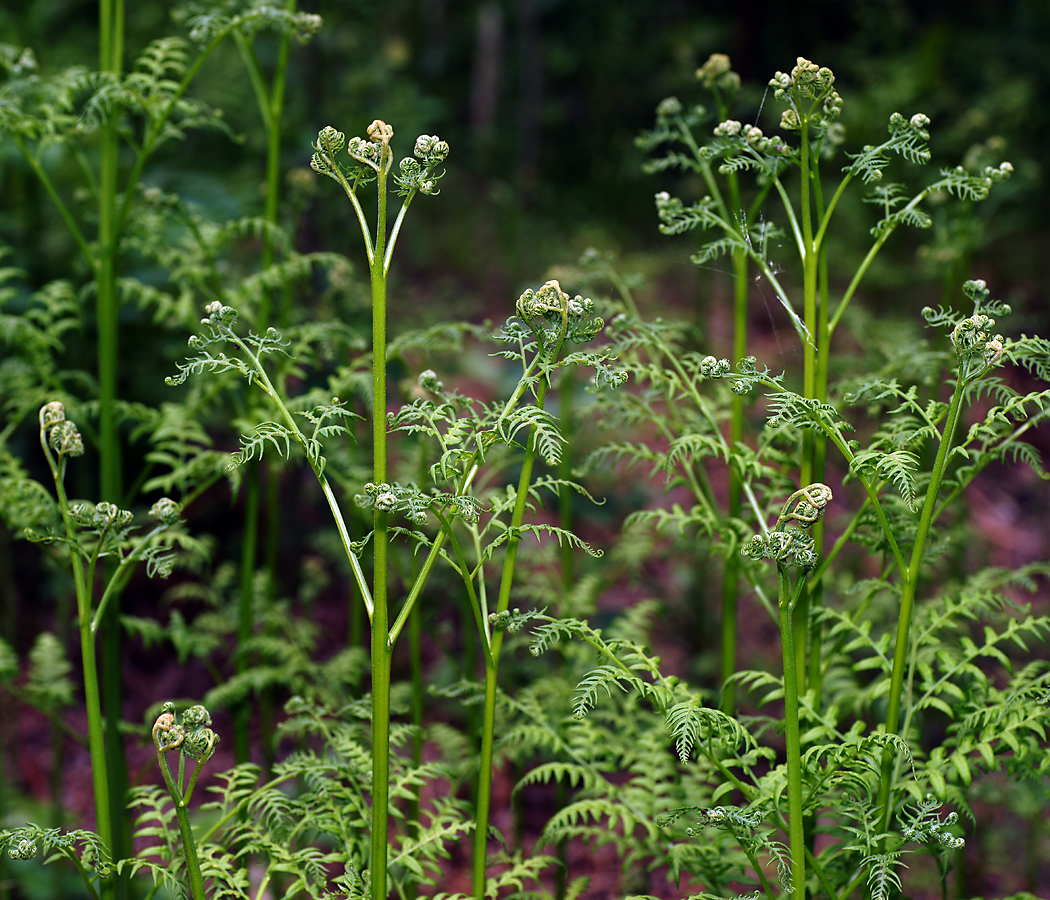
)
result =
(812, 110)
(90, 534)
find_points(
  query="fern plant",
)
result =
(750, 234)
(108, 125)
(85, 535)
(468, 436)
(911, 466)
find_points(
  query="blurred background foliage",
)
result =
(541, 101)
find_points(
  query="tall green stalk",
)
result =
(245, 607)
(68, 444)
(373, 160)
(111, 27)
(193, 738)
(793, 545)
(731, 575)
(908, 588)
(380, 645)
(481, 817)
(796, 826)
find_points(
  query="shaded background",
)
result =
(541, 101)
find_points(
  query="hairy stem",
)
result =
(731, 575)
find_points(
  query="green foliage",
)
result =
(910, 670)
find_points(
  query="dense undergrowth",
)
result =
(454, 550)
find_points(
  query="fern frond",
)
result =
(896, 466)
(573, 820)
(691, 723)
(603, 678)
(572, 774)
(883, 880)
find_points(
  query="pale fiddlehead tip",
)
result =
(717, 72)
(380, 131)
(219, 314)
(82, 513)
(429, 382)
(669, 107)
(430, 149)
(65, 440)
(368, 152)
(385, 501)
(717, 64)
(51, 413)
(23, 850)
(548, 300)
(329, 142)
(806, 505)
(107, 515)
(419, 174)
(168, 734)
(710, 367)
(972, 337)
(391, 498)
(918, 123)
(999, 174)
(166, 511)
(571, 317)
(200, 741)
(793, 546)
(306, 26)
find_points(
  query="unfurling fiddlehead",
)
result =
(793, 546)
(193, 738)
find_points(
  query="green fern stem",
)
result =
(809, 293)
(481, 817)
(796, 829)
(566, 557)
(568, 577)
(484, 795)
(380, 653)
(92, 695)
(189, 847)
(380, 643)
(96, 728)
(815, 588)
(731, 574)
(809, 177)
(908, 589)
(107, 308)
